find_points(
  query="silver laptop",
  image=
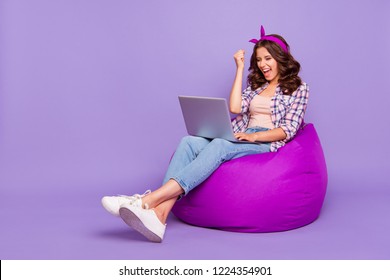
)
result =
(207, 117)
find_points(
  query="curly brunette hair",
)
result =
(289, 68)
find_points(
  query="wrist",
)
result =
(258, 136)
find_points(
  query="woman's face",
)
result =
(267, 65)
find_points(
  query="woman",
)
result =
(271, 110)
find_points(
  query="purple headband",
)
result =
(270, 38)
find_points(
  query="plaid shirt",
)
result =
(287, 111)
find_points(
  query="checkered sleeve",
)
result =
(246, 97)
(240, 123)
(293, 119)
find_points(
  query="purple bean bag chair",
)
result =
(262, 193)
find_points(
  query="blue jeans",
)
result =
(196, 158)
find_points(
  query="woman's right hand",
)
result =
(235, 93)
(239, 58)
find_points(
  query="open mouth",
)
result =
(266, 71)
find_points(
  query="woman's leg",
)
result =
(211, 157)
(195, 172)
(163, 199)
(188, 149)
(187, 170)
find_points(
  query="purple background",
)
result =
(88, 107)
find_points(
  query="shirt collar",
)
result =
(278, 90)
(263, 87)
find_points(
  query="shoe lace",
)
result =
(133, 198)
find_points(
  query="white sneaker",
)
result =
(113, 203)
(144, 221)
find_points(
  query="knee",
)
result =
(192, 142)
(188, 140)
(220, 142)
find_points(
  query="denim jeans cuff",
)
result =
(182, 185)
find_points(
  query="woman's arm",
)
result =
(235, 93)
(271, 135)
(293, 119)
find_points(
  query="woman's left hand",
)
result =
(251, 137)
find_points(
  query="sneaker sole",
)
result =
(134, 222)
